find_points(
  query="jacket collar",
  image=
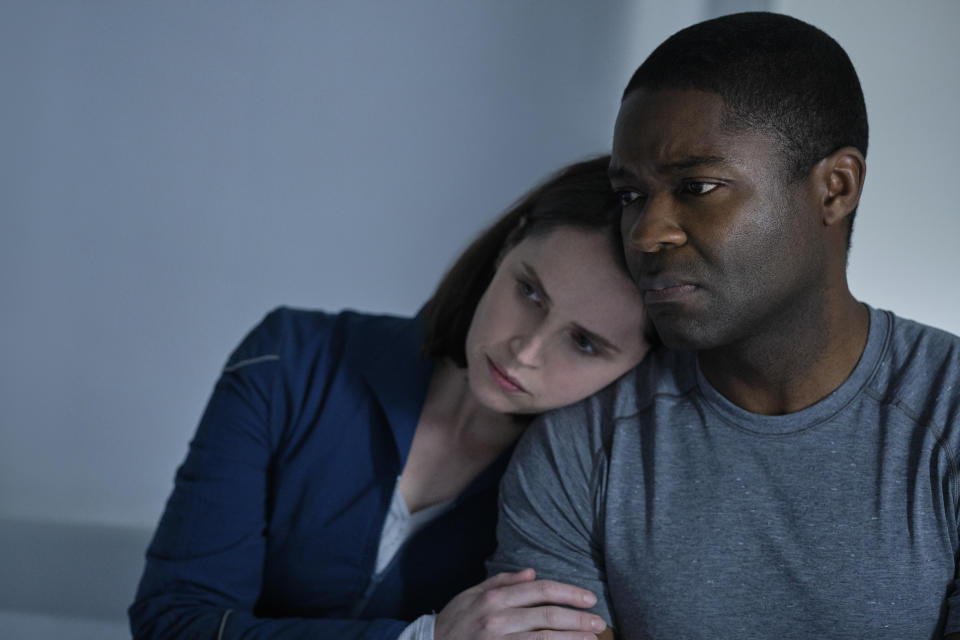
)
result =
(394, 367)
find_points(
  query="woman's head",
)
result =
(540, 308)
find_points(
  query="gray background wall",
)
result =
(171, 171)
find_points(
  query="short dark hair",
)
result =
(578, 195)
(775, 74)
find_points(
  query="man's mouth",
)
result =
(662, 290)
(668, 294)
(503, 379)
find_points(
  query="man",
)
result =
(789, 467)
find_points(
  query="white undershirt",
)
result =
(399, 526)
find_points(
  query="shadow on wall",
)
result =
(78, 571)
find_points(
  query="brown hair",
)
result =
(578, 195)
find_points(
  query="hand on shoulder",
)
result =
(520, 606)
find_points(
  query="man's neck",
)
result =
(784, 371)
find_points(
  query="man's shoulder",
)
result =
(919, 372)
(916, 350)
(663, 373)
(911, 332)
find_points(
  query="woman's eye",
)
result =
(527, 290)
(583, 343)
(700, 188)
(628, 197)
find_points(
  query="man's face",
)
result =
(723, 246)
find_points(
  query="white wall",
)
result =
(906, 241)
(170, 171)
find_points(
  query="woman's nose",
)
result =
(527, 348)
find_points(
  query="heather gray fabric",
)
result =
(691, 518)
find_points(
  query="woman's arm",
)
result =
(205, 565)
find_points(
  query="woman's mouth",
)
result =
(503, 380)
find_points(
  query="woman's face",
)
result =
(560, 320)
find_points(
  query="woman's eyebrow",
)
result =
(597, 338)
(535, 282)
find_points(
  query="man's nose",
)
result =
(652, 227)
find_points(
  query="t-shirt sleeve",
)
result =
(550, 500)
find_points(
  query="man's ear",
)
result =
(839, 181)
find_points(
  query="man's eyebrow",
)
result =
(535, 282)
(683, 164)
(690, 163)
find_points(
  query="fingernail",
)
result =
(590, 599)
(597, 624)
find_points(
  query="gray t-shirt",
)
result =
(692, 518)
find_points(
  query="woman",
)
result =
(343, 478)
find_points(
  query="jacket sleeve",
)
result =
(205, 563)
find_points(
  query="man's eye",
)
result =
(699, 188)
(629, 197)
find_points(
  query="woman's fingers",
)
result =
(551, 635)
(540, 605)
(539, 592)
(519, 607)
(550, 618)
(507, 579)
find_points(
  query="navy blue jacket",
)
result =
(277, 511)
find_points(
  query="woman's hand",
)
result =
(517, 605)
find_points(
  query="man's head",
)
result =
(739, 157)
(775, 74)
